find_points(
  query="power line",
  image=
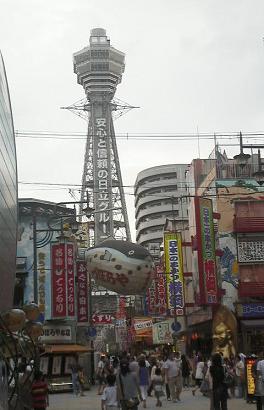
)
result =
(172, 197)
(152, 136)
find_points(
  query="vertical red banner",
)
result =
(58, 274)
(206, 251)
(160, 294)
(151, 297)
(156, 298)
(70, 279)
(82, 299)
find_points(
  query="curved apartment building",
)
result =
(158, 192)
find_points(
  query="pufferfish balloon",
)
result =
(120, 266)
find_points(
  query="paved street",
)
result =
(91, 401)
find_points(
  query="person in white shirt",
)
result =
(259, 384)
(240, 376)
(100, 374)
(109, 397)
(134, 366)
(172, 375)
(199, 374)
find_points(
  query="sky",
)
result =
(192, 66)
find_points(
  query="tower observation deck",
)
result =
(99, 68)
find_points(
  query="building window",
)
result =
(154, 204)
(100, 67)
(100, 54)
(153, 179)
(170, 189)
(172, 201)
(155, 217)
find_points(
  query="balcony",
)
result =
(248, 224)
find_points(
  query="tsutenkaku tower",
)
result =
(99, 69)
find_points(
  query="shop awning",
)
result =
(67, 349)
(253, 323)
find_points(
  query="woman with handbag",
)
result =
(128, 390)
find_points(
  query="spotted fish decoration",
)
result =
(121, 266)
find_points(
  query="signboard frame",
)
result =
(250, 240)
(250, 382)
(174, 273)
(205, 238)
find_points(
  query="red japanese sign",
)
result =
(206, 251)
(151, 298)
(102, 319)
(160, 296)
(82, 286)
(70, 279)
(121, 312)
(58, 275)
(156, 301)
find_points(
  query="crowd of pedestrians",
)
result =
(130, 380)
(126, 381)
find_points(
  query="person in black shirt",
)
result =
(219, 388)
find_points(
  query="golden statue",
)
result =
(224, 332)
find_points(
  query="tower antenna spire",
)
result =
(99, 68)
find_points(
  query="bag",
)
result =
(132, 403)
(204, 386)
(158, 387)
(229, 380)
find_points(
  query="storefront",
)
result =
(199, 335)
(251, 320)
(59, 352)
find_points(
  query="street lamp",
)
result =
(242, 159)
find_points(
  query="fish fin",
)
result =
(107, 256)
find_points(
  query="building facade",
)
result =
(8, 218)
(160, 194)
(8, 195)
(39, 226)
(237, 205)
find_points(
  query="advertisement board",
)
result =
(63, 282)
(82, 293)
(70, 279)
(58, 274)
(174, 273)
(142, 327)
(102, 178)
(162, 333)
(156, 297)
(161, 295)
(250, 249)
(150, 298)
(250, 382)
(250, 310)
(206, 251)
(56, 333)
(102, 319)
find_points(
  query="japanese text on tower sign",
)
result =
(102, 173)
